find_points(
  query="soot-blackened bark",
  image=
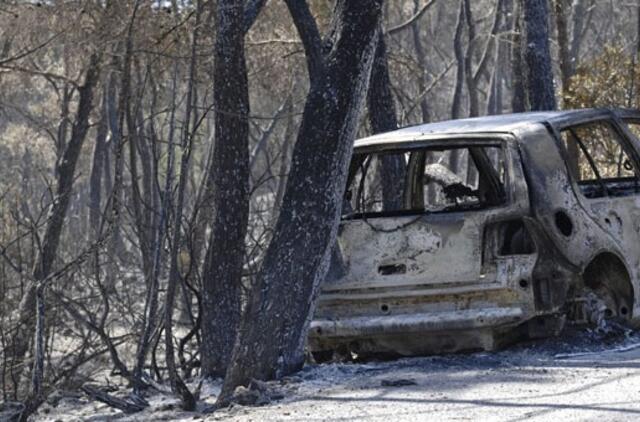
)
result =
(420, 58)
(274, 326)
(456, 107)
(470, 79)
(494, 101)
(222, 277)
(205, 204)
(518, 100)
(224, 260)
(562, 8)
(382, 118)
(538, 69)
(95, 181)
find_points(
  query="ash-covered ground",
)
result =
(579, 376)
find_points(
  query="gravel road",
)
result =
(581, 376)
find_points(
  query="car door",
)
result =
(604, 166)
(434, 238)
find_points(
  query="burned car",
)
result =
(469, 234)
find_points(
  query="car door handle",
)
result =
(392, 269)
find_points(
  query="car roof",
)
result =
(504, 123)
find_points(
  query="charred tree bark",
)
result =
(205, 204)
(518, 100)
(116, 142)
(494, 101)
(461, 65)
(382, 118)
(456, 107)
(134, 141)
(562, 8)
(149, 189)
(222, 276)
(274, 325)
(470, 79)
(95, 181)
(538, 69)
(420, 58)
(582, 14)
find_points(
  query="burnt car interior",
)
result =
(432, 180)
(603, 166)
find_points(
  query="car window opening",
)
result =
(598, 160)
(428, 180)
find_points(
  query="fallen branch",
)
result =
(136, 405)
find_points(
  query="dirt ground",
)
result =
(581, 376)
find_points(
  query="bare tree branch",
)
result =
(411, 20)
(310, 35)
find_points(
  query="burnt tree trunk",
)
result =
(95, 180)
(224, 260)
(562, 8)
(567, 68)
(581, 19)
(274, 325)
(420, 58)
(382, 118)
(205, 203)
(136, 200)
(494, 101)
(470, 79)
(116, 242)
(518, 100)
(456, 107)
(538, 69)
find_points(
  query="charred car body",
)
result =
(492, 229)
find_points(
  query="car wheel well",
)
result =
(607, 273)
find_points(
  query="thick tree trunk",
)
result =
(205, 204)
(382, 117)
(274, 326)
(222, 276)
(537, 57)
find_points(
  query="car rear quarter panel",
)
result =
(552, 191)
